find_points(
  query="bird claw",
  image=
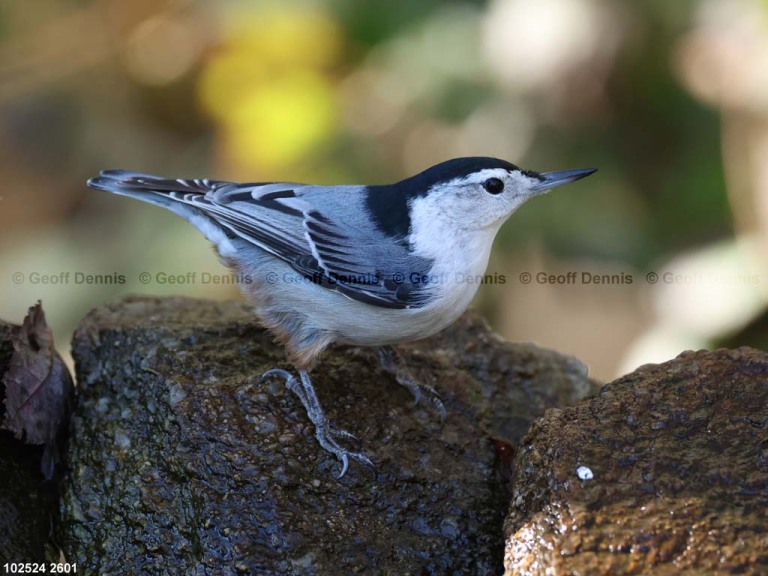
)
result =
(338, 433)
(277, 372)
(432, 396)
(330, 445)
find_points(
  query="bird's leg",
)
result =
(326, 435)
(393, 362)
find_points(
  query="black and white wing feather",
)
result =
(296, 223)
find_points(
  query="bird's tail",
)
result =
(153, 189)
(186, 198)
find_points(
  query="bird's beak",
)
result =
(552, 179)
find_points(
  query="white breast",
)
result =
(460, 259)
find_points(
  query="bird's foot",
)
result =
(393, 362)
(325, 433)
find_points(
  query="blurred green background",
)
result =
(669, 99)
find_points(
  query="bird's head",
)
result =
(480, 193)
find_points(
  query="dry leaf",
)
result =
(37, 387)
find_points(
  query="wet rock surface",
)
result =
(678, 459)
(182, 461)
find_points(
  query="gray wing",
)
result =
(321, 232)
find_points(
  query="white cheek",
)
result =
(453, 248)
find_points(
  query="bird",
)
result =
(362, 265)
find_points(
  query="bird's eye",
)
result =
(493, 186)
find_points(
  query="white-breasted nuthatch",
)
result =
(358, 265)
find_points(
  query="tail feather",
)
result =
(126, 181)
(178, 196)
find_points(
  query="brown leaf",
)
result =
(37, 385)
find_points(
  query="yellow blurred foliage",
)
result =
(281, 121)
(269, 85)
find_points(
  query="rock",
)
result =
(183, 462)
(678, 459)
